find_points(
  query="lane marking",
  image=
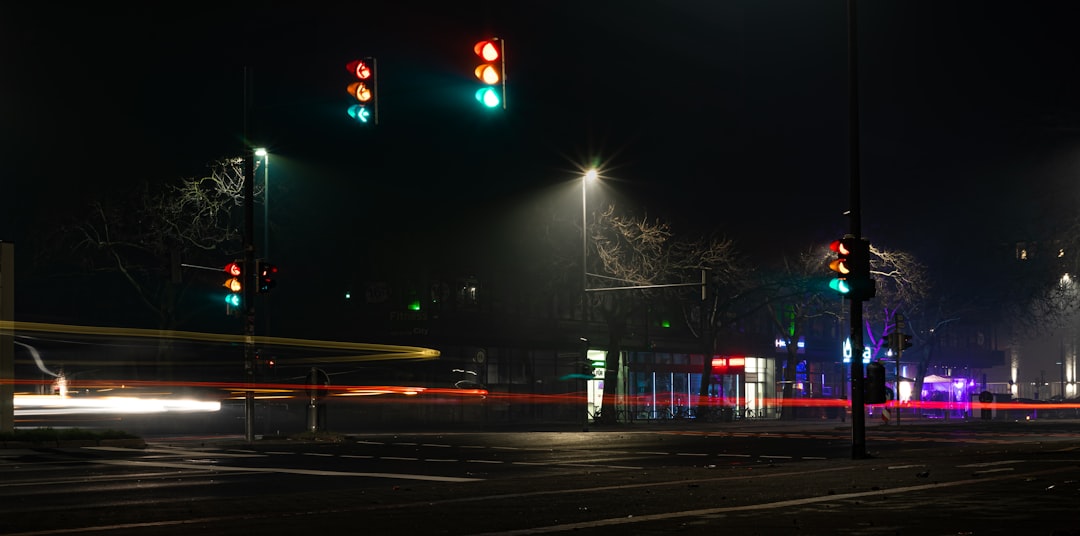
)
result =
(289, 470)
(183, 452)
(749, 507)
(991, 464)
(213, 519)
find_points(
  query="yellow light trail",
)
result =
(373, 352)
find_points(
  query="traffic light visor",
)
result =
(840, 285)
(840, 265)
(360, 91)
(488, 74)
(487, 50)
(359, 69)
(489, 97)
(360, 113)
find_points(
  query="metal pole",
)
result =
(858, 413)
(266, 204)
(266, 236)
(896, 384)
(7, 337)
(248, 276)
(584, 240)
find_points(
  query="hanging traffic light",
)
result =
(267, 272)
(235, 272)
(841, 265)
(363, 88)
(491, 72)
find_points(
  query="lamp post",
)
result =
(262, 153)
(590, 176)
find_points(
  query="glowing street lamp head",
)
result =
(591, 175)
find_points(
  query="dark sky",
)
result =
(728, 116)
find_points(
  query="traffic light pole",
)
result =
(858, 411)
(249, 276)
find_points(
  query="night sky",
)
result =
(728, 116)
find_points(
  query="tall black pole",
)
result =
(858, 414)
(248, 275)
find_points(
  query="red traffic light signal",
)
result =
(363, 87)
(234, 269)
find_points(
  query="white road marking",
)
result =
(1002, 470)
(991, 464)
(183, 452)
(289, 470)
(776, 505)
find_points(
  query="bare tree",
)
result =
(641, 257)
(146, 234)
(797, 296)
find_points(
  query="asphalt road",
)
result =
(760, 478)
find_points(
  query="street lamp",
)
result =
(590, 176)
(261, 152)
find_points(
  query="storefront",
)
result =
(660, 386)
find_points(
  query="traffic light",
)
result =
(875, 383)
(852, 265)
(841, 265)
(363, 88)
(491, 72)
(267, 273)
(235, 272)
(862, 287)
(890, 341)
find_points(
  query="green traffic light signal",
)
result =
(840, 285)
(488, 97)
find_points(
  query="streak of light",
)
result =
(373, 352)
(37, 359)
(57, 405)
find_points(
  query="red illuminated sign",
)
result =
(728, 365)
